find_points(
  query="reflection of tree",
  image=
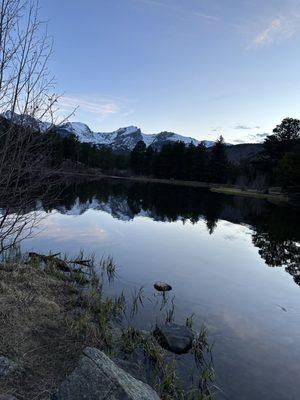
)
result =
(277, 236)
(275, 253)
(161, 202)
(276, 228)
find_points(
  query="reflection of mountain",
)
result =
(117, 207)
(276, 229)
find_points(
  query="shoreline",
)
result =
(54, 310)
(213, 187)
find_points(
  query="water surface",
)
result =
(232, 261)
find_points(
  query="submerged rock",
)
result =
(97, 377)
(176, 338)
(162, 287)
(6, 366)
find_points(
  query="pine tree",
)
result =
(138, 158)
(218, 163)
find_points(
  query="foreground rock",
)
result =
(6, 366)
(97, 378)
(162, 287)
(176, 338)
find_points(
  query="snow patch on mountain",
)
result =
(123, 139)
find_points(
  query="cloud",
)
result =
(258, 137)
(245, 127)
(99, 107)
(181, 10)
(238, 141)
(262, 135)
(277, 30)
(216, 129)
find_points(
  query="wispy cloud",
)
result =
(245, 127)
(277, 30)
(181, 10)
(100, 107)
(259, 137)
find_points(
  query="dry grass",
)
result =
(36, 329)
(48, 316)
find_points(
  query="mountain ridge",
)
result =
(122, 139)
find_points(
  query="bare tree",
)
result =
(26, 99)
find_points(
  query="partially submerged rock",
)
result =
(162, 286)
(97, 377)
(174, 337)
(6, 366)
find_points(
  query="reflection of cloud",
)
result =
(67, 228)
(241, 327)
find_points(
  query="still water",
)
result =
(233, 262)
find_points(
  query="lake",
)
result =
(233, 262)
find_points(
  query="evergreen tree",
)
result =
(288, 170)
(218, 163)
(283, 140)
(200, 160)
(138, 158)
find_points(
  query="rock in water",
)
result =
(97, 377)
(162, 287)
(176, 338)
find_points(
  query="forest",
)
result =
(277, 165)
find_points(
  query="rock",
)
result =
(6, 366)
(176, 338)
(162, 287)
(7, 397)
(134, 368)
(97, 377)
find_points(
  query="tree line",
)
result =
(178, 161)
(278, 163)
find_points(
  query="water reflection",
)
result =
(276, 229)
(215, 251)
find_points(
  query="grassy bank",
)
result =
(250, 193)
(52, 308)
(96, 174)
(214, 187)
(39, 327)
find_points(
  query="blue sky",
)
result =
(195, 67)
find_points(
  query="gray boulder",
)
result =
(162, 287)
(6, 366)
(97, 377)
(173, 337)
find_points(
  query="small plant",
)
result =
(109, 268)
(137, 300)
(153, 351)
(170, 313)
(168, 387)
(131, 339)
(190, 321)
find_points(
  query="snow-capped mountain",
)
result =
(123, 139)
(27, 121)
